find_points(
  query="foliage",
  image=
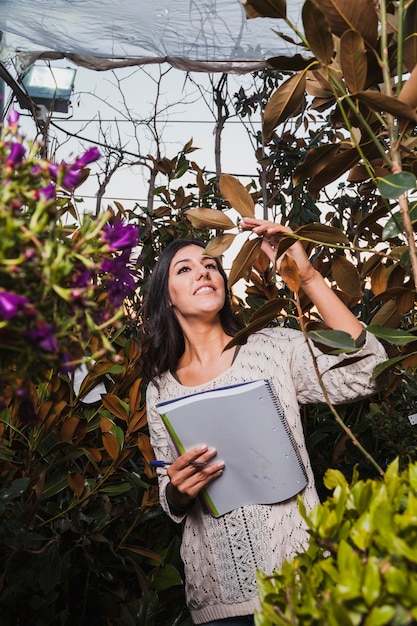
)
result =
(62, 282)
(82, 537)
(360, 563)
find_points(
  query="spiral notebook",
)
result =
(247, 426)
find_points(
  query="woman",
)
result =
(188, 323)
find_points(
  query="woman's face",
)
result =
(195, 285)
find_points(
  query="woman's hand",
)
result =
(272, 234)
(187, 480)
(334, 313)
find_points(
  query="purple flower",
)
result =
(13, 117)
(120, 236)
(81, 279)
(11, 304)
(44, 337)
(91, 155)
(71, 178)
(48, 192)
(17, 152)
(53, 170)
(123, 282)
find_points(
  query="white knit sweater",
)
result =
(221, 555)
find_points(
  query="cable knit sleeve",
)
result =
(162, 446)
(346, 376)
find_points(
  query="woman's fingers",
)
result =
(193, 470)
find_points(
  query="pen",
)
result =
(164, 463)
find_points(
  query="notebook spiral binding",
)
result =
(281, 413)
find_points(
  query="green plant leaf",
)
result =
(394, 225)
(391, 335)
(394, 185)
(336, 339)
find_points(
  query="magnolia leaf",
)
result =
(317, 32)
(337, 166)
(379, 279)
(285, 101)
(265, 8)
(321, 233)
(370, 264)
(289, 273)
(111, 445)
(371, 220)
(314, 162)
(388, 315)
(387, 364)
(391, 335)
(237, 195)
(338, 340)
(144, 445)
(242, 264)
(395, 185)
(218, 245)
(353, 60)
(135, 394)
(116, 406)
(394, 225)
(259, 322)
(209, 218)
(378, 102)
(294, 63)
(76, 483)
(346, 276)
(343, 15)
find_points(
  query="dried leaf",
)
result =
(209, 218)
(353, 60)
(379, 102)
(218, 245)
(346, 276)
(145, 447)
(342, 162)
(135, 394)
(379, 279)
(314, 162)
(285, 101)
(237, 195)
(343, 15)
(76, 483)
(111, 445)
(113, 404)
(242, 264)
(317, 32)
(294, 63)
(265, 8)
(68, 428)
(289, 273)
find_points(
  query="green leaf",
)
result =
(337, 339)
(166, 577)
(392, 335)
(394, 225)
(15, 489)
(394, 185)
(389, 363)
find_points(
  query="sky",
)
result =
(104, 104)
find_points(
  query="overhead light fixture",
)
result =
(50, 86)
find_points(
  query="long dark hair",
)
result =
(163, 340)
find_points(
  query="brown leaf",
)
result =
(209, 218)
(237, 195)
(379, 102)
(317, 32)
(218, 245)
(314, 162)
(379, 279)
(265, 8)
(112, 404)
(145, 447)
(388, 315)
(242, 264)
(294, 63)
(289, 273)
(76, 483)
(346, 276)
(137, 421)
(359, 15)
(405, 300)
(285, 101)
(135, 394)
(353, 60)
(111, 445)
(266, 314)
(334, 169)
(68, 428)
